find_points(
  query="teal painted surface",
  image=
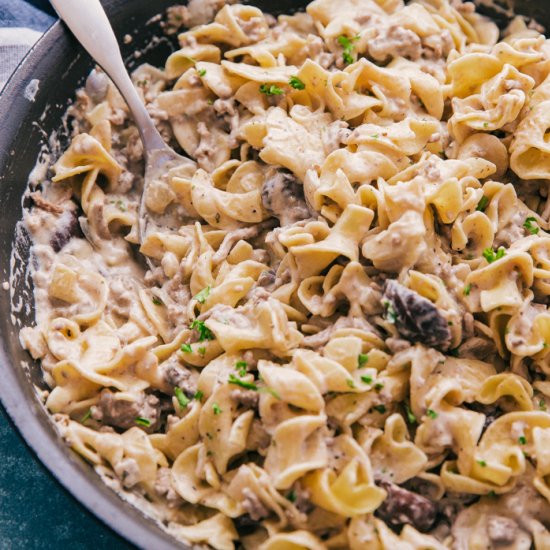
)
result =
(35, 511)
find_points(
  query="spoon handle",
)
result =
(88, 22)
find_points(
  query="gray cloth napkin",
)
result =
(21, 25)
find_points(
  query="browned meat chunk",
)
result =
(395, 41)
(253, 505)
(502, 530)
(163, 487)
(246, 398)
(122, 412)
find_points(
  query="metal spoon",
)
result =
(88, 22)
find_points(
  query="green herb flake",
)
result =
(410, 415)
(362, 360)
(186, 348)
(492, 494)
(467, 289)
(86, 417)
(198, 396)
(183, 400)
(453, 352)
(366, 379)
(380, 408)
(350, 383)
(482, 463)
(431, 413)
(348, 46)
(271, 391)
(486, 125)
(378, 386)
(296, 83)
(201, 72)
(375, 136)
(482, 204)
(202, 351)
(241, 367)
(491, 256)
(542, 405)
(157, 301)
(391, 316)
(271, 89)
(242, 383)
(530, 225)
(203, 294)
(291, 496)
(522, 440)
(204, 332)
(140, 421)
(121, 206)
(216, 409)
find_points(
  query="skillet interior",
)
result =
(60, 66)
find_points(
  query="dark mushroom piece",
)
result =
(416, 318)
(283, 197)
(405, 507)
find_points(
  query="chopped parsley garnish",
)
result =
(242, 383)
(410, 415)
(348, 45)
(367, 379)
(198, 396)
(530, 225)
(491, 256)
(491, 494)
(202, 351)
(271, 89)
(202, 295)
(378, 386)
(241, 367)
(186, 348)
(453, 352)
(486, 125)
(431, 413)
(380, 408)
(216, 409)
(482, 204)
(391, 316)
(350, 383)
(522, 440)
(183, 400)
(296, 83)
(291, 496)
(467, 289)
(375, 136)
(86, 417)
(121, 206)
(542, 405)
(362, 360)
(482, 463)
(201, 72)
(204, 332)
(156, 301)
(140, 421)
(271, 391)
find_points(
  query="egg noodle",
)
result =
(345, 340)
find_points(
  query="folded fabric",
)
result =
(21, 25)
